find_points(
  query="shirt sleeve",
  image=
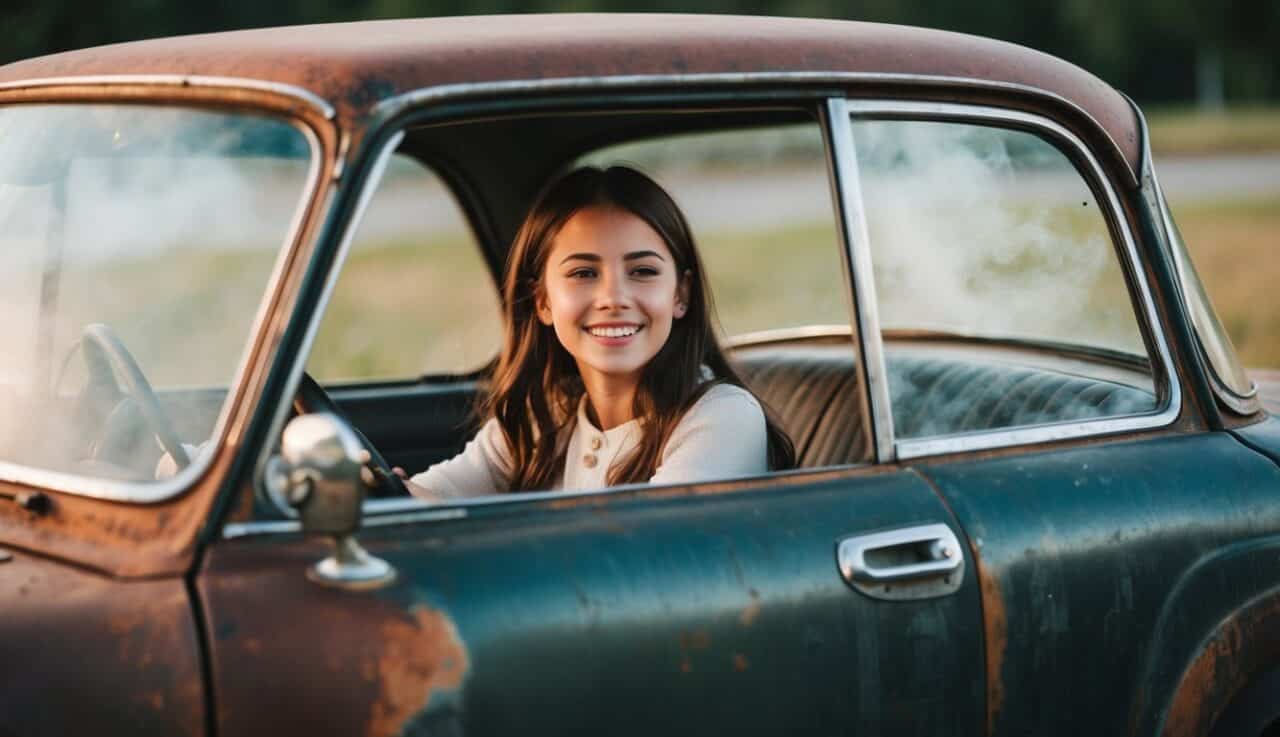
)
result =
(723, 435)
(483, 467)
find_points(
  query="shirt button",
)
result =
(596, 442)
(589, 461)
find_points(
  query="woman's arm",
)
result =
(721, 436)
(483, 467)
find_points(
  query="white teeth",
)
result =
(611, 332)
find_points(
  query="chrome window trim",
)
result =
(1039, 434)
(179, 80)
(163, 490)
(294, 376)
(397, 104)
(786, 335)
(868, 344)
(233, 530)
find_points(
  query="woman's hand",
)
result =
(420, 492)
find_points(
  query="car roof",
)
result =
(355, 66)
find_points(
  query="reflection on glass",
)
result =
(164, 225)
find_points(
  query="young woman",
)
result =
(610, 372)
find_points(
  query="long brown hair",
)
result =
(536, 387)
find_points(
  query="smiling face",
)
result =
(611, 290)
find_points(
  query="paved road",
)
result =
(794, 196)
(1219, 177)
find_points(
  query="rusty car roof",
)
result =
(354, 66)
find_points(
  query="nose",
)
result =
(612, 291)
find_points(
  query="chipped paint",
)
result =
(421, 656)
(1241, 648)
(128, 650)
(996, 629)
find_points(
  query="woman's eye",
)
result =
(644, 271)
(582, 273)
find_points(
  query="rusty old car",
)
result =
(245, 273)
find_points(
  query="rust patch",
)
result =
(1244, 645)
(740, 662)
(995, 624)
(691, 642)
(421, 656)
(1191, 703)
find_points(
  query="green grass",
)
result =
(1234, 247)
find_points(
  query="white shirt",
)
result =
(722, 435)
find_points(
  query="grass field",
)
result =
(1234, 245)
(1185, 132)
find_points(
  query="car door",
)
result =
(678, 611)
(721, 607)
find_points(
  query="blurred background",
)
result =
(1206, 72)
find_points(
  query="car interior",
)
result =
(808, 378)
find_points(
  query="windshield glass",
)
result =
(1212, 337)
(135, 245)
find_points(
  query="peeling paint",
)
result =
(420, 657)
(996, 626)
(1242, 647)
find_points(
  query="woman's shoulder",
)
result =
(727, 401)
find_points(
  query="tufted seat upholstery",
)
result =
(813, 391)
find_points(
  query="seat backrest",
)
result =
(813, 392)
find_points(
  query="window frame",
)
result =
(1168, 389)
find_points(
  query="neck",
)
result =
(611, 399)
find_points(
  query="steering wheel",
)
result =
(111, 364)
(311, 398)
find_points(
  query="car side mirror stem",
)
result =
(320, 472)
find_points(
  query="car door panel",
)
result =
(80, 651)
(1091, 560)
(623, 614)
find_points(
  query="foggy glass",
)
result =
(989, 232)
(163, 224)
(982, 232)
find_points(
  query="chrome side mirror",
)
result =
(318, 472)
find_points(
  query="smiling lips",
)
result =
(613, 332)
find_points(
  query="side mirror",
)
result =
(319, 472)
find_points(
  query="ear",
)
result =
(682, 294)
(540, 303)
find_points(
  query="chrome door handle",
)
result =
(908, 563)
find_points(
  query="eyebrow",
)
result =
(628, 257)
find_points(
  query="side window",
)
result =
(759, 204)
(415, 296)
(1000, 294)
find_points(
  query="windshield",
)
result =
(135, 245)
(1213, 338)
